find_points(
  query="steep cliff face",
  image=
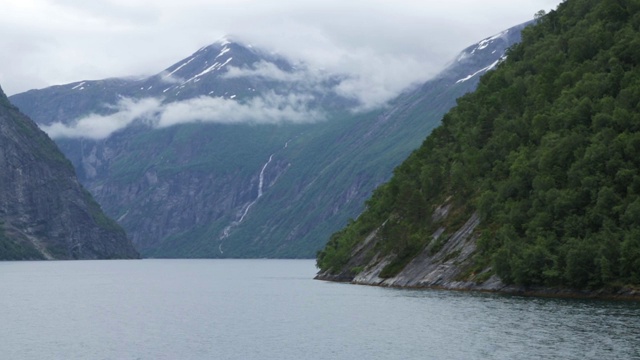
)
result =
(179, 190)
(44, 211)
(445, 262)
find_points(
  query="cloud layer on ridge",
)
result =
(270, 108)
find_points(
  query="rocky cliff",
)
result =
(445, 262)
(448, 262)
(532, 181)
(44, 211)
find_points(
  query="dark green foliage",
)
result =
(16, 250)
(335, 256)
(39, 143)
(4, 101)
(547, 150)
(103, 221)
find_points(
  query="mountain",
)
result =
(44, 211)
(236, 152)
(531, 182)
(224, 70)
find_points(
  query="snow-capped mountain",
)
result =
(193, 178)
(483, 56)
(224, 70)
(207, 70)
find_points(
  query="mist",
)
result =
(388, 44)
(269, 108)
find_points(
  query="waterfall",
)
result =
(227, 230)
(260, 192)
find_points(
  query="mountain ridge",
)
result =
(177, 189)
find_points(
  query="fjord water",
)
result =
(272, 309)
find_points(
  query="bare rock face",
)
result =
(44, 211)
(445, 268)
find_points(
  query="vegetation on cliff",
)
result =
(547, 151)
(44, 212)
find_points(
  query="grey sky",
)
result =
(391, 43)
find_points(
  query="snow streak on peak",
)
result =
(223, 41)
(214, 67)
(224, 50)
(80, 85)
(486, 42)
(483, 44)
(485, 69)
(181, 66)
(200, 67)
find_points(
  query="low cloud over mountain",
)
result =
(268, 109)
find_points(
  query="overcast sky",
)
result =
(49, 42)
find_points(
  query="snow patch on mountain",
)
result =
(223, 51)
(485, 69)
(181, 66)
(214, 67)
(483, 44)
(486, 42)
(78, 86)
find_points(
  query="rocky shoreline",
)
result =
(448, 269)
(494, 285)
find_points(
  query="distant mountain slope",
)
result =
(44, 211)
(269, 186)
(532, 181)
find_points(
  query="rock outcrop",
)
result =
(450, 268)
(445, 263)
(44, 211)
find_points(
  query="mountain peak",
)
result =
(208, 66)
(225, 40)
(214, 58)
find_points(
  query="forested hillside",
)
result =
(546, 152)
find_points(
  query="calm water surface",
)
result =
(272, 309)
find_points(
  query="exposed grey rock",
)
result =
(449, 269)
(44, 211)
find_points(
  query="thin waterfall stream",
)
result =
(227, 230)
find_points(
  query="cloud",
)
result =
(266, 70)
(169, 78)
(96, 126)
(72, 40)
(267, 109)
(379, 80)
